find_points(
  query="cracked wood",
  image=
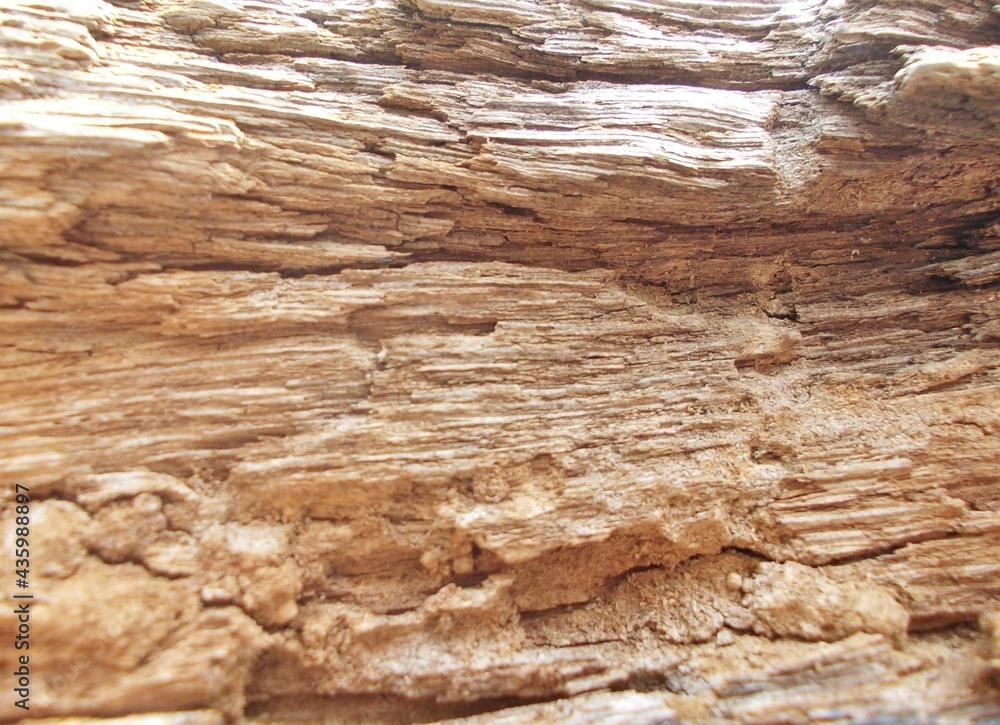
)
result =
(408, 360)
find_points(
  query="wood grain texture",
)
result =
(423, 360)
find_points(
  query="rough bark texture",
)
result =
(603, 360)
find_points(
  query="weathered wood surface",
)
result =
(607, 361)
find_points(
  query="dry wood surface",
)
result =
(507, 361)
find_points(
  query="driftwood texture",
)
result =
(566, 360)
